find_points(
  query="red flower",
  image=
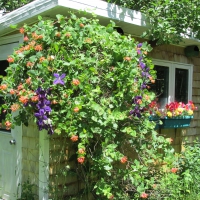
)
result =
(81, 160)
(29, 64)
(81, 151)
(22, 30)
(10, 59)
(76, 109)
(3, 87)
(174, 170)
(23, 99)
(67, 35)
(74, 138)
(28, 80)
(81, 25)
(38, 47)
(58, 34)
(34, 98)
(127, 58)
(8, 125)
(26, 39)
(75, 82)
(170, 140)
(144, 195)
(123, 159)
(12, 91)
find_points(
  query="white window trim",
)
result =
(172, 66)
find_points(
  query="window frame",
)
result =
(172, 72)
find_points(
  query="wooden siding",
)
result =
(63, 167)
(176, 54)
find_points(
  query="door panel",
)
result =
(7, 165)
(10, 154)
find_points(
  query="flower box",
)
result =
(175, 122)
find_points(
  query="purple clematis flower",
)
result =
(137, 112)
(43, 108)
(139, 45)
(138, 51)
(143, 86)
(137, 99)
(142, 65)
(58, 79)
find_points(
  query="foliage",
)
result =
(183, 181)
(27, 191)
(90, 84)
(8, 5)
(169, 20)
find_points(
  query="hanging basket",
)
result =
(176, 122)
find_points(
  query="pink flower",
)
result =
(174, 170)
(144, 195)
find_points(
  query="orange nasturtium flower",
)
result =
(20, 86)
(23, 99)
(8, 125)
(34, 98)
(15, 107)
(76, 109)
(12, 91)
(75, 82)
(10, 60)
(3, 87)
(144, 195)
(29, 64)
(26, 39)
(21, 30)
(81, 160)
(38, 47)
(123, 159)
(28, 80)
(174, 170)
(74, 138)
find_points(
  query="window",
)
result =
(173, 83)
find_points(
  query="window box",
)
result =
(176, 122)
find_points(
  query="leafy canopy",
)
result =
(169, 20)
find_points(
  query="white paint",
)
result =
(10, 155)
(43, 165)
(10, 163)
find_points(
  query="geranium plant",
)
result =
(172, 110)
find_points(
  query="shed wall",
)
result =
(176, 54)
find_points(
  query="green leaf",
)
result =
(13, 26)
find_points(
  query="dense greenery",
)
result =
(88, 83)
(169, 19)
(9, 5)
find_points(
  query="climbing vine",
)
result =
(84, 81)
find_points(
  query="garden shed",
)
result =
(27, 154)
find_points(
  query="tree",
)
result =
(10, 5)
(170, 20)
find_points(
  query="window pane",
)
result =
(3, 65)
(161, 85)
(181, 85)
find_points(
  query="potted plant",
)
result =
(174, 115)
